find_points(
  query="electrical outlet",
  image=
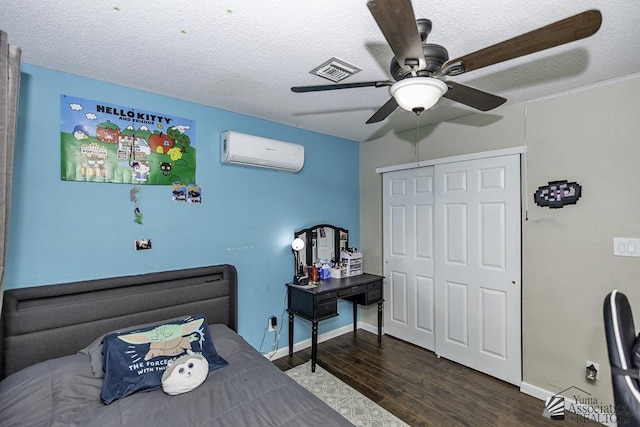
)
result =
(592, 371)
(273, 323)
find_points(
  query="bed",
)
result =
(51, 335)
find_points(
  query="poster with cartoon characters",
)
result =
(102, 142)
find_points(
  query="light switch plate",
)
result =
(626, 246)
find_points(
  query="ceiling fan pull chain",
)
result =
(417, 149)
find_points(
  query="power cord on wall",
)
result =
(276, 336)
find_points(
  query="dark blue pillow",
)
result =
(135, 360)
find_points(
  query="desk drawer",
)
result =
(373, 296)
(352, 290)
(374, 285)
(327, 309)
(366, 298)
(327, 296)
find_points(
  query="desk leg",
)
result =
(355, 315)
(380, 321)
(290, 334)
(314, 345)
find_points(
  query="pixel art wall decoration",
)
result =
(558, 194)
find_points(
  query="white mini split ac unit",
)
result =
(249, 150)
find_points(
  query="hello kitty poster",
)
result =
(103, 142)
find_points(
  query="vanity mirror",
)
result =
(322, 242)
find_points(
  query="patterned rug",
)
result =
(353, 405)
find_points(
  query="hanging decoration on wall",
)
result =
(102, 142)
(558, 194)
(133, 196)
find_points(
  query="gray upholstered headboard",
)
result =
(45, 322)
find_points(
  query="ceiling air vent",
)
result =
(335, 70)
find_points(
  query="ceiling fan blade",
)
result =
(300, 89)
(398, 25)
(478, 99)
(384, 111)
(567, 30)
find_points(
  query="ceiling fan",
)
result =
(420, 70)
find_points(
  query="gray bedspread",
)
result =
(251, 391)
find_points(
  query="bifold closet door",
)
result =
(478, 265)
(409, 255)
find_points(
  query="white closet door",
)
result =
(409, 256)
(478, 265)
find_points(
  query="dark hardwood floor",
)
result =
(422, 389)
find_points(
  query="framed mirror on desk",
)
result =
(322, 242)
(318, 244)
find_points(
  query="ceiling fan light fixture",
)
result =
(418, 93)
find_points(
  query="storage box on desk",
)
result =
(352, 261)
(338, 273)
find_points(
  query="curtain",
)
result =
(9, 91)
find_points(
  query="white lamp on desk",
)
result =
(297, 245)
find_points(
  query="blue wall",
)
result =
(64, 231)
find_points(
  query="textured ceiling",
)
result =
(244, 55)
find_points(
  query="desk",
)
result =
(320, 302)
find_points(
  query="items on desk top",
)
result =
(325, 270)
(350, 265)
(338, 271)
(314, 274)
(352, 260)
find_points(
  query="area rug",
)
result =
(350, 403)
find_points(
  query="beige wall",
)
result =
(591, 136)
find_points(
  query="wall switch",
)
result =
(273, 323)
(626, 246)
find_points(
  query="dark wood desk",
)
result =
(320, 302)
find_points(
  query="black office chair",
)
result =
(621, 339)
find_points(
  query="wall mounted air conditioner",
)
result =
(249, 150)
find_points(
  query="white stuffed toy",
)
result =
(185, 373)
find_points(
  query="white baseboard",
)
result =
(593, 413)
(369, 328)
(301, 345)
